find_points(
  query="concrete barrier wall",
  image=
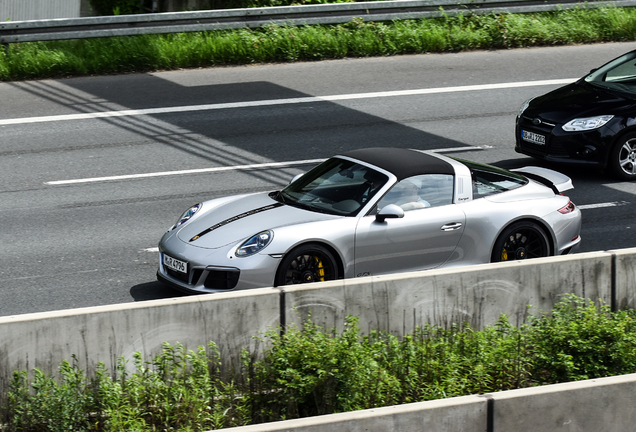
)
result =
(460, 414)
(605, 404)
(477, 294)
(102, 334)
(624, 272)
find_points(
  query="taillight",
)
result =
(569, 208)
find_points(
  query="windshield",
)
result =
(619, 74)
(336, 186)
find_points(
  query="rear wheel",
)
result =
(305, 264)
(622, 161)
(521, 240)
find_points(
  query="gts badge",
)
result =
(363, 274)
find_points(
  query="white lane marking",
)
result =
(151, 250)
(602, 205)
(192, 171)
(271, 102)
(227, 168)
(460, 149)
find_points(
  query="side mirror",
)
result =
(390, 211)
(296, 177)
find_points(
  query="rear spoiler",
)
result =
(554, 180)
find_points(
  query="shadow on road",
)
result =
(154, 291)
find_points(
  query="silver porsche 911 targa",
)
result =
(370, 212)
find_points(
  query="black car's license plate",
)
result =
(175, 264)
(532, 137)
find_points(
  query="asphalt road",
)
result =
(93, 170)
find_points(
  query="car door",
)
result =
(424, 238)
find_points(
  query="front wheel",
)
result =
(521, 240)
(305, 264)
(622, 161)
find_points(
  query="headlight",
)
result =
(187, 215)
(255, 244)
(585, 124)
(524, 106)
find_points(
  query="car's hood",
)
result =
(576, 100)
(241, 218)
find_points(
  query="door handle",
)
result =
(451, 226)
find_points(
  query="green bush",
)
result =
(274, 43)
(580, 341)
(178, 390)
(311, 371)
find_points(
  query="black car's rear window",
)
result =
(489, 180)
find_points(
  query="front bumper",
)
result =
(200, 280)
(214, 270)
(589, 148)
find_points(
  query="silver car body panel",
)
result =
(461, 233)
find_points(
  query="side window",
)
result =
(625, 71)
(488, 182)
(417, 192)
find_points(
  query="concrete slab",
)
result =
(465, 414)
(477, 295)
(102, 334)
(604, 404)
(625, 278)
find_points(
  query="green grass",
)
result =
(312, 371)
(37, 60)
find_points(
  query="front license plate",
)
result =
(175, 264)
(532, 137)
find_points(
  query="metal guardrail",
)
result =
(182, 22)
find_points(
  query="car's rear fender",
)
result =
(542, 224)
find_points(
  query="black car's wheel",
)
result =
(307, 263)
(623, 158)
(521, 240)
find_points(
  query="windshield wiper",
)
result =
(280, 197)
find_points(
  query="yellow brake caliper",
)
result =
(321, 270)
(504, 255)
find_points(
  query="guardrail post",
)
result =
(613, 299)
(283, 314)
(490, 414)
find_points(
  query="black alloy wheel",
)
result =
(306, 264)
(521, 240)
(622, 161)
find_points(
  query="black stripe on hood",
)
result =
(235, 218)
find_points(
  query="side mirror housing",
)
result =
(390, 211)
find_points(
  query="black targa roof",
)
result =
(402, 162)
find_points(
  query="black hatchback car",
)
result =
(589, 122)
